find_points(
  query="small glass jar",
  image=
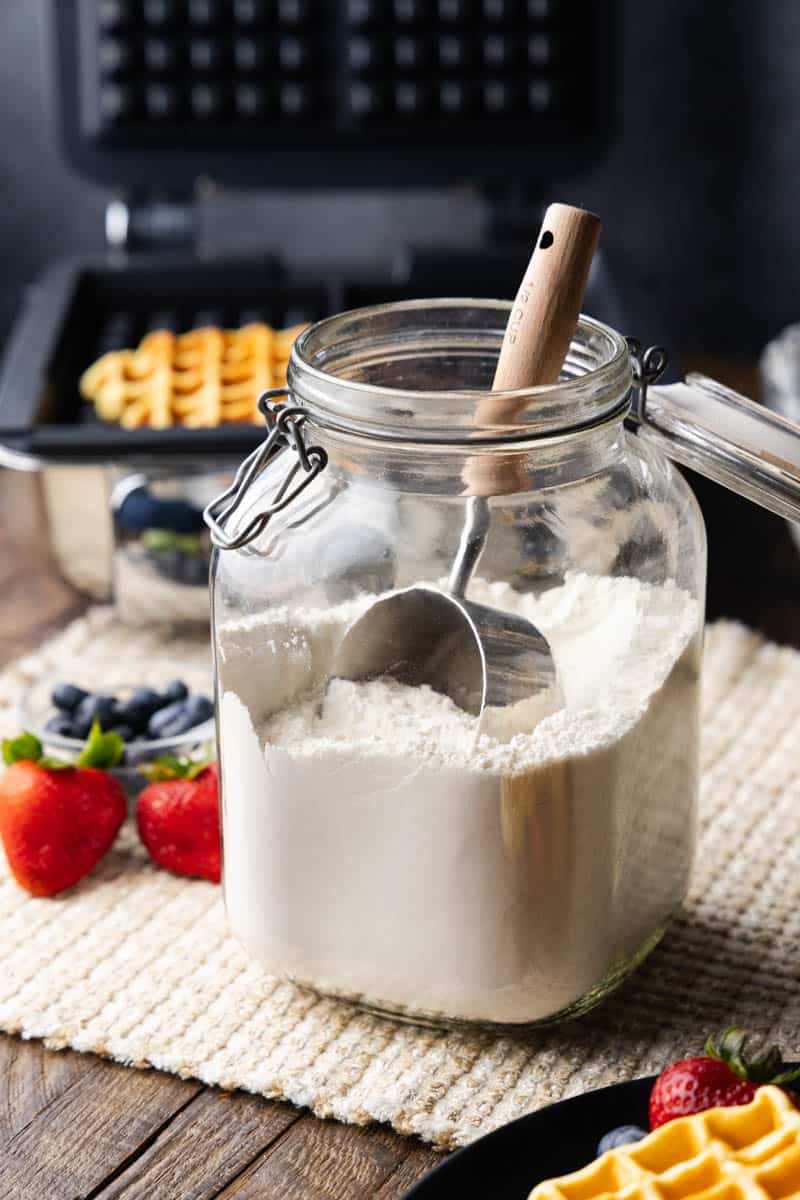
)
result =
(379, 843)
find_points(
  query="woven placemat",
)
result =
(138, 965)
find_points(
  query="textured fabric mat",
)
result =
(136, 964)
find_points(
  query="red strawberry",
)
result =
(719, 1078)
(178, 817)
(57, 820)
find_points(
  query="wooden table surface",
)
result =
(75, 1127)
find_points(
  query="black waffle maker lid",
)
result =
(148, 95)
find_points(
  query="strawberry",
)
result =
(717, 1079)
(58, 819)
(178, 817)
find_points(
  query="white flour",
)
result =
(380, 845)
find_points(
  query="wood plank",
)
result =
(417, 1163)
(30, 1079)
(90, 1131)
(322, 1160)
(208, 1144)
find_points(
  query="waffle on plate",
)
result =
(746, 1152)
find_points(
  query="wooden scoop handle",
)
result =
(539, 331)
(548, 303)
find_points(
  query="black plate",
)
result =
(507, 1164)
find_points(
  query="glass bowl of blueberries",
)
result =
(171, 714)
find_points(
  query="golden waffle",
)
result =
(747, 1152)
(197, 379)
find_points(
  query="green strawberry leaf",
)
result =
(25, 748)
(169, 767)
(55, 764)
(730, 1047)
(786, 1077)
(102, 750)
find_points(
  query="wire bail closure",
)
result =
(647, 367)
(285, 424)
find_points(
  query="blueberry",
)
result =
(198, 709)
(81, 727)
(164, 717)
(61, 725)
(177, 690)
(67, 696)
(137, 710)
(139, 510)
(124, 731)
(135, 721)
(96, 708)
(623, 1135)
(178, 725)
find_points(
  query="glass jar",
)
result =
(380, 844)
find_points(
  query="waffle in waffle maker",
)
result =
(148, 95)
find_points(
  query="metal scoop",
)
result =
(479, 657)
(483, 658)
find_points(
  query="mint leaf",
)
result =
(25, 748)
(102, 750)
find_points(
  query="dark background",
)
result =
(698, 190)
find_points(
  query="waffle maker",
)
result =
(150, 95)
